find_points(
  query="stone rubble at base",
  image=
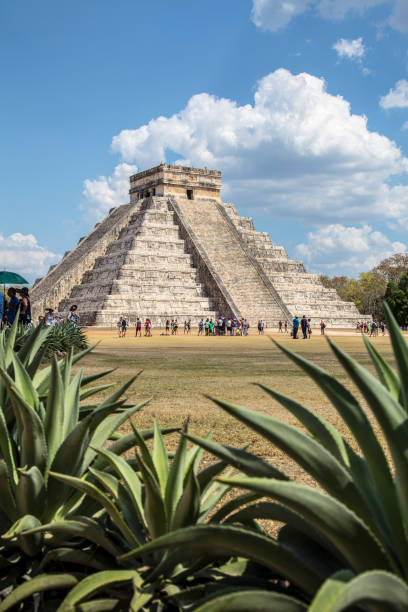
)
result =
(178, 251)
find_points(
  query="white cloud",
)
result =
(104, 193)
(351, 49)
(21, 253)
(396, 98)
(296, 151)
(276, 14)
(336, 249)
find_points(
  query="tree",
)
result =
(396, 296)
(392, 268)
(367, 292)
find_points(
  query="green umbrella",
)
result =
(11, 278)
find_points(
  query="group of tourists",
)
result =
(371, 328)
(17, 300)
(223, 326)
(306, 327)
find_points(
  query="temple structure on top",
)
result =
(177, 251)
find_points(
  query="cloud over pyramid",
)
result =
(177, 251)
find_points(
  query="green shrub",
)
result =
(60, 338)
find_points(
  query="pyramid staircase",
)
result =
(145, 272)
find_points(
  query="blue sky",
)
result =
(303, 105)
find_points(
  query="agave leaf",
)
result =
(72, 555)
(154, 508)
(44, 582)
(275, 512)
(54, 416)
(32, 345)
(236, 600)
(329, 591)
(400, 350)
(31, 432)
(24, 384)
(145, 454)
(92, 377)
(333, 519)
(128, 441)
(211, 498)
(106, 428)
(71, 404)
(331, 439)
(374, 590)
(30, 543)
(94, 583)
(129, 477)
(188, 507)
(219, 541)
(160, 458)
(234, 504)
(359, 425)
(10, 341)
(7, 501)
(7, 451)
(94, 390)
(81, 527)
(174, 485)
(206, 476)
(394, 423)
(321, 429)
(384, 371)
(30, 491)
(308, 453)
(242, 460)
(100, 605)
(95, 493)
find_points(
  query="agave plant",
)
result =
(44, 427)
(344, 545)
(140, 501)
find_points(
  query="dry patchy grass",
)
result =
(178, 371)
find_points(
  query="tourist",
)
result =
(286, 327)
(138, 327)
(303, 324)
(49, 317)
(12, 306)
(207, 326)
(176, 326)
(295, 327)
(167, 327)
(148, 328)
(200, 327)
(229, 327)
(280, 325)
(309, 328)
(2, 309)
(322, 327)
(382, 327)
(73, 316)
(124, 326)
(185, 327)
(25, 307)
(261, 327)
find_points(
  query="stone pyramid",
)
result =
(178, 251)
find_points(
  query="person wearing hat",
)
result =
(73, 315)
(49, 317)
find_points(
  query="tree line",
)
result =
(388, 281)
